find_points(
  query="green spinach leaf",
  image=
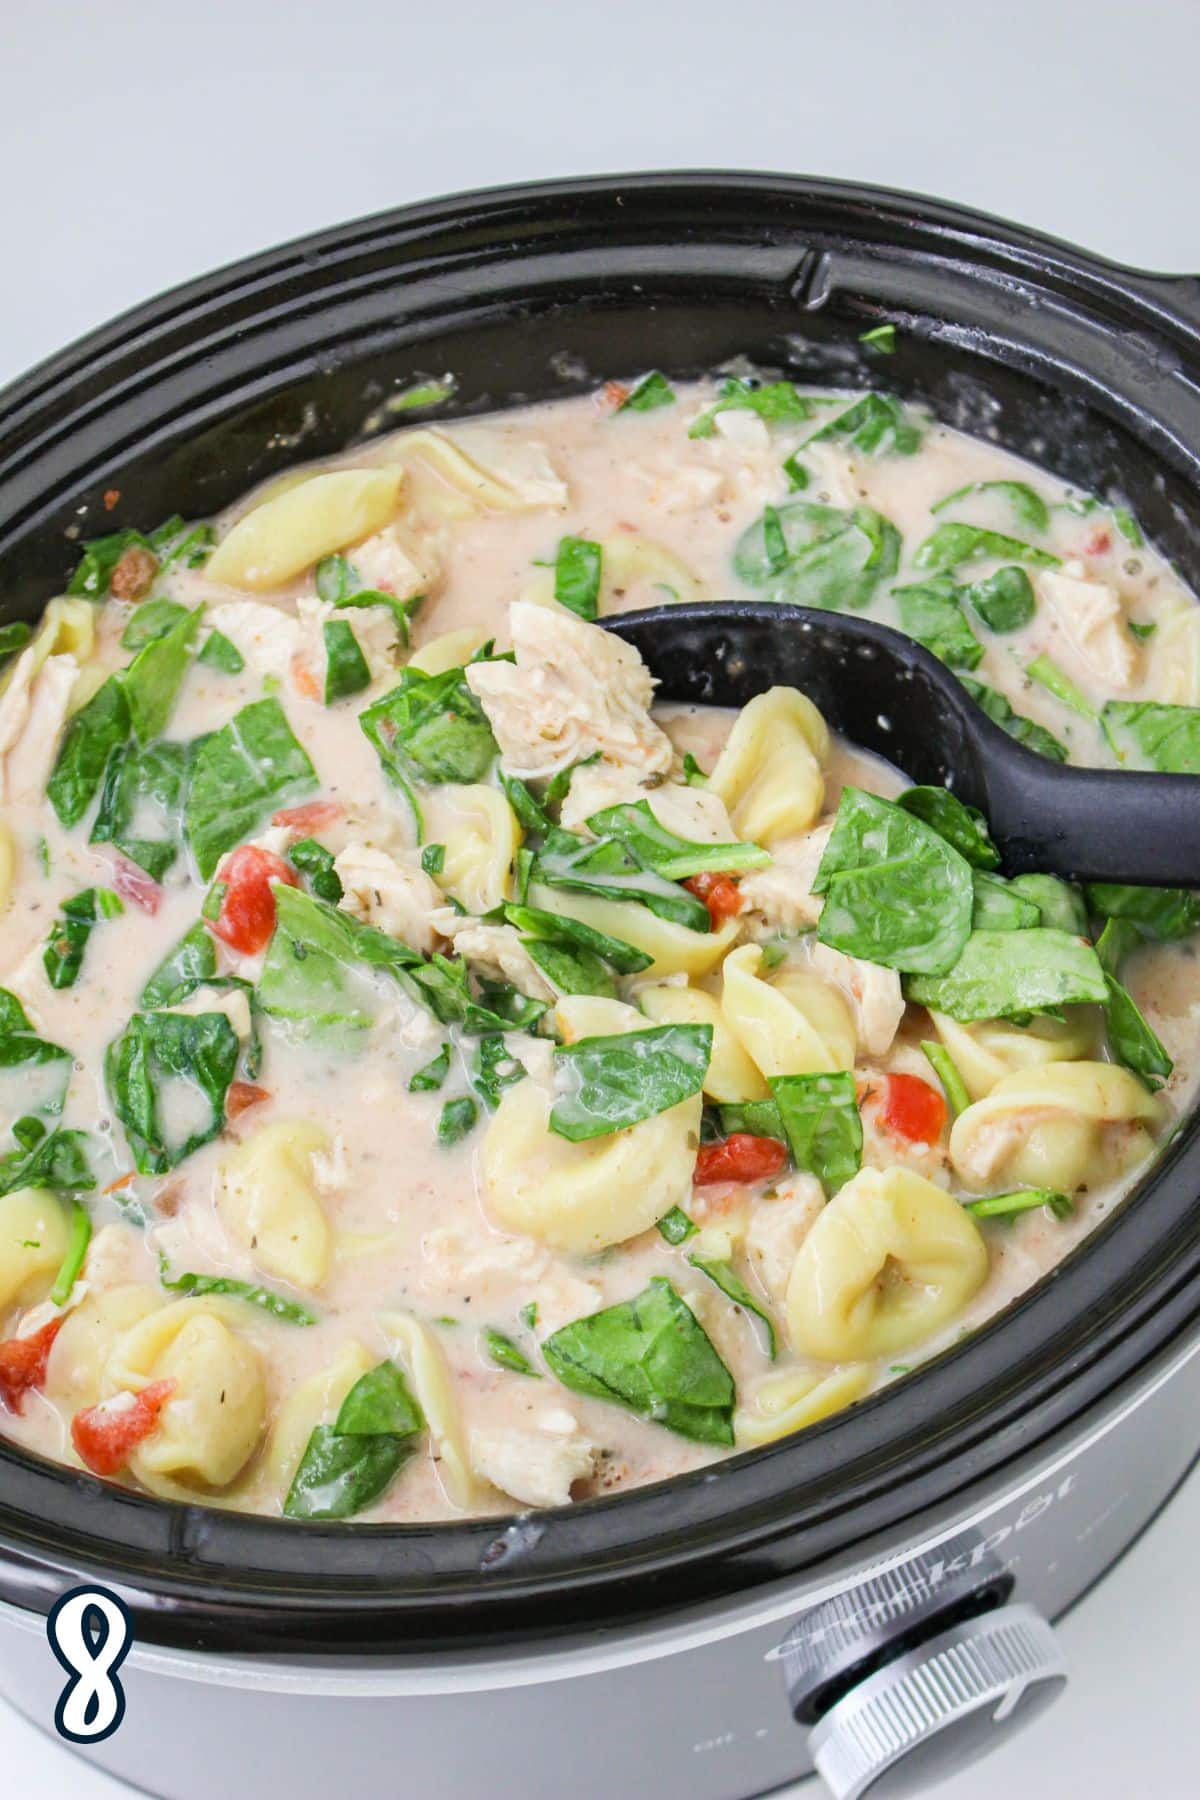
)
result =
(190, 965)
(609, 868)
(775, 401)
(674, 858)
(723, 1275)
(676, 1227)
(933, 614)
(432, 729)
(895, 892)
(997, 908)
(822, 1123)
(63, 956)
(652, 1356)
(315, 863)
(430, 1076)
(1059, 903)
(48, 1159)
(506, 1355)
(1002, 973)
(577, 576)
(1163, 737)
(291, 1312)
(1131, 1039)
(652, 391)
(557, 928)
(964, 827)
(951, 545)
(608, 1083)
(874, 426)
(1025, 731)
(810, 555)
(1164, 914)
(218, 653)
(1028, 507)
(457, 1119)
(348, 1465)
(1004, 601)
(167, 1077)
(142, 802)
(96, 731)
(346, 670)
(240, 774)
(152, 620)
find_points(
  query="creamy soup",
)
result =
(438, 1081)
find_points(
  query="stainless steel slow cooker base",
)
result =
(696, 1704)
(665, 1640)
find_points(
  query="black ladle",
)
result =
(887, 694)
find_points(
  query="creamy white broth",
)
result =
(412, 1228)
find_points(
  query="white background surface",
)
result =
(145, 143)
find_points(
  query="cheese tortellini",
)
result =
(580, 1198)
(210, 1424)
(1062, 1126)
(77, 1361)
(416, 1349)
(788, 1401)
(634, 571)
(675, 950)
(986, 1052)
(33, 1242)
(300, 524)
(771, 772)
(891, 1260)
(732, 1075)
(269, 1202)
(315, 1402)
(791, 1024)
(480, 836)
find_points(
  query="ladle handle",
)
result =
(1094, 824)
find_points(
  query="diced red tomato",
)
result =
(742, 1157)
(133, 884)
(314, 815)
(303, 679)
(720, 893)
(104, 1435)
(1099, 543)
(23, 1363)
(615, 394)
(912, 1109)
(241, 1096)
(247, 916)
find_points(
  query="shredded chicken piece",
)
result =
(397, 898)
(779, 1224)
(874, 990)
(573, 691)
(690, 812)
(33, 711)
(1093, 619)
(386, 562)
(374, 628)
(781, 896)
(267, 637)
(496, 950)
(535, 1467)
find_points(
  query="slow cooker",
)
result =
(876, 1595)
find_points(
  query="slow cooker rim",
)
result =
(60, 1522)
